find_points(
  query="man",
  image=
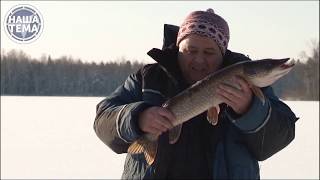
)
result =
(247, 131)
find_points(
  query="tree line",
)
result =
(21, 75)
(65, 76)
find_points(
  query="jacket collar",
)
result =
(168, 61)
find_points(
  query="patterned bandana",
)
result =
(206, 23)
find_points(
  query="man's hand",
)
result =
(156, 120)
(238, 99)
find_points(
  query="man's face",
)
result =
(198, 57)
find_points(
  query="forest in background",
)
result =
(65, 76)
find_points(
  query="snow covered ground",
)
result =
(53, 137)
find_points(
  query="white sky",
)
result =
(103, 31)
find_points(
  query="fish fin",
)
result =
(149, 148)
(213, 115)
(136, 147)
(174, 134)
(257, 91)
(150, 151)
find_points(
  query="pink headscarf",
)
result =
(206, 23)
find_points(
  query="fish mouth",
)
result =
(284, 64)
(284, 68)
(287, 65)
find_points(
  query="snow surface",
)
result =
(53, 137)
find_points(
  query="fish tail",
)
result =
(149, 148)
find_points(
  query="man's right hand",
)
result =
(156, 120)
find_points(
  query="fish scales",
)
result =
(201, 96)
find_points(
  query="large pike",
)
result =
(201, 97)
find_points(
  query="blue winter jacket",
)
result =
(232, 149)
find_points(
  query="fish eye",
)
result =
(252, 71)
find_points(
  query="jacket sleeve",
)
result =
(116, 116)
(266, 128)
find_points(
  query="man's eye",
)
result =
(191, 51)
(208, 53)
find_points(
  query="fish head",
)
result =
(265, 72)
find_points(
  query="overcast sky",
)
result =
(103, 31)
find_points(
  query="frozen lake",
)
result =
(53, 138)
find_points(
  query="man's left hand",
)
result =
(238, 99)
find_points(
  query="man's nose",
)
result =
(199, 59)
